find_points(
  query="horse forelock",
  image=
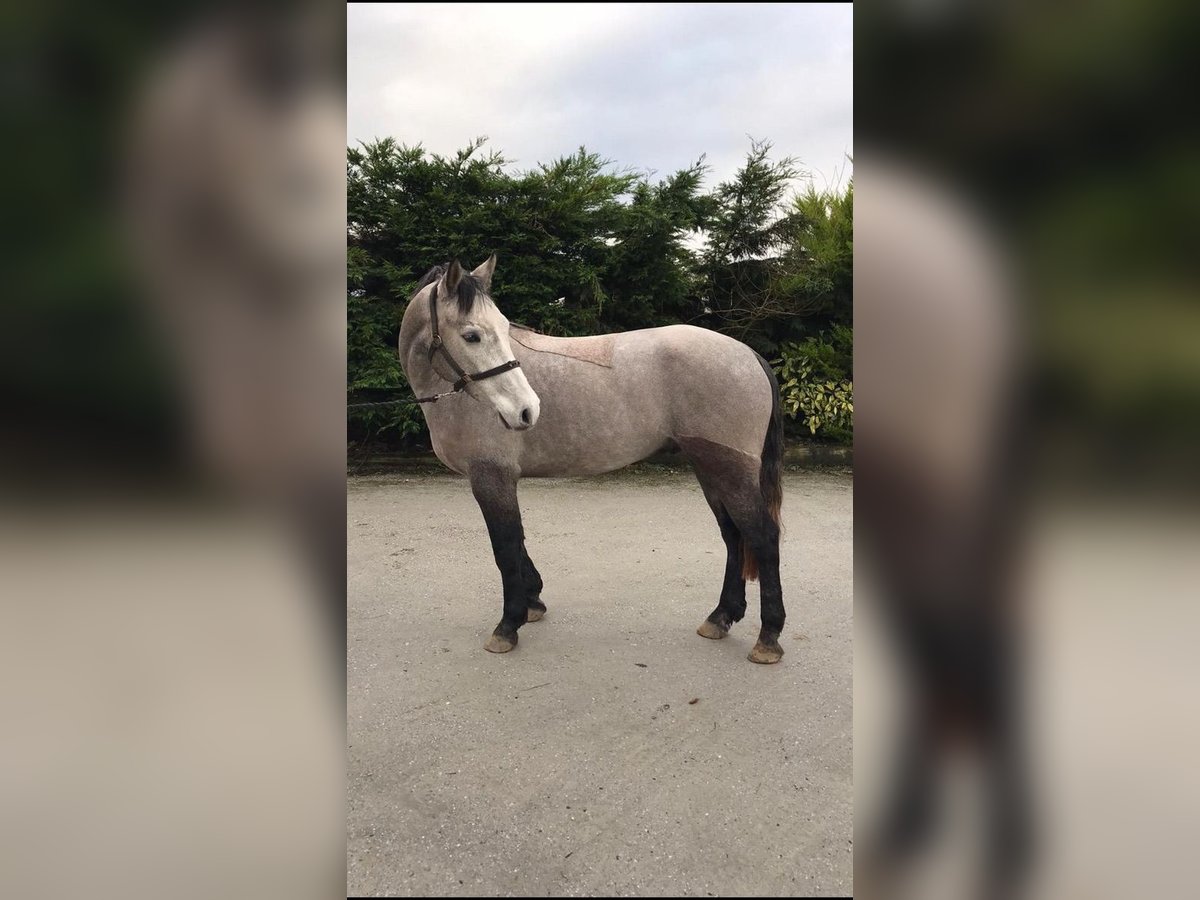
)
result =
(468, 287)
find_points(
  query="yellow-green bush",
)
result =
(816, 390)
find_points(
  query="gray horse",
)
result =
(598, 403)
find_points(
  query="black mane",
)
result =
(468, 286)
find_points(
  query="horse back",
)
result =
(611, 400)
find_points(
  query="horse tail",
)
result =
(770, 475)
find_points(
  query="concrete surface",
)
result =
(577, 764)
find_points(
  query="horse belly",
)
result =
(606, 434)
(598, 453)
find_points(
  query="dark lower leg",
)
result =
(765, 546)
(732, 605)
(909, 813)
(496, 492)
(731, 484)
(1010, 839)
(1009, 815)
(533, 587)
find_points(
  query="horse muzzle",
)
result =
(526, 419)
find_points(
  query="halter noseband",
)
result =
(436, 345)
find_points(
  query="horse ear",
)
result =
(454, 274)
(484, 273)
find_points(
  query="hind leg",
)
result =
(742, 498)
(533, 587)
(732, 477)
(732, 605)
(761, 535)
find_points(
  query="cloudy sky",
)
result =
(648, 86)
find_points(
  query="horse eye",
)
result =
(471, 337)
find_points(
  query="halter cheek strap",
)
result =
(436, 345)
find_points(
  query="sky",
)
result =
(651, 87)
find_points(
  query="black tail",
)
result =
(770, 475)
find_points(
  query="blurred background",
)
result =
(1028, 373)
(172, 568)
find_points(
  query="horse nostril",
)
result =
(526, 419)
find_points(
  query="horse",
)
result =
(527, 405)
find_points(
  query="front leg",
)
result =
(495, 490)
(533, 588)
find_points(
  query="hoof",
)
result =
(533, 614)
(711, 630)
(765, 653)
(497, 644)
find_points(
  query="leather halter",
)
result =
(437, 345)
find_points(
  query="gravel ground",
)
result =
(614, 751)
